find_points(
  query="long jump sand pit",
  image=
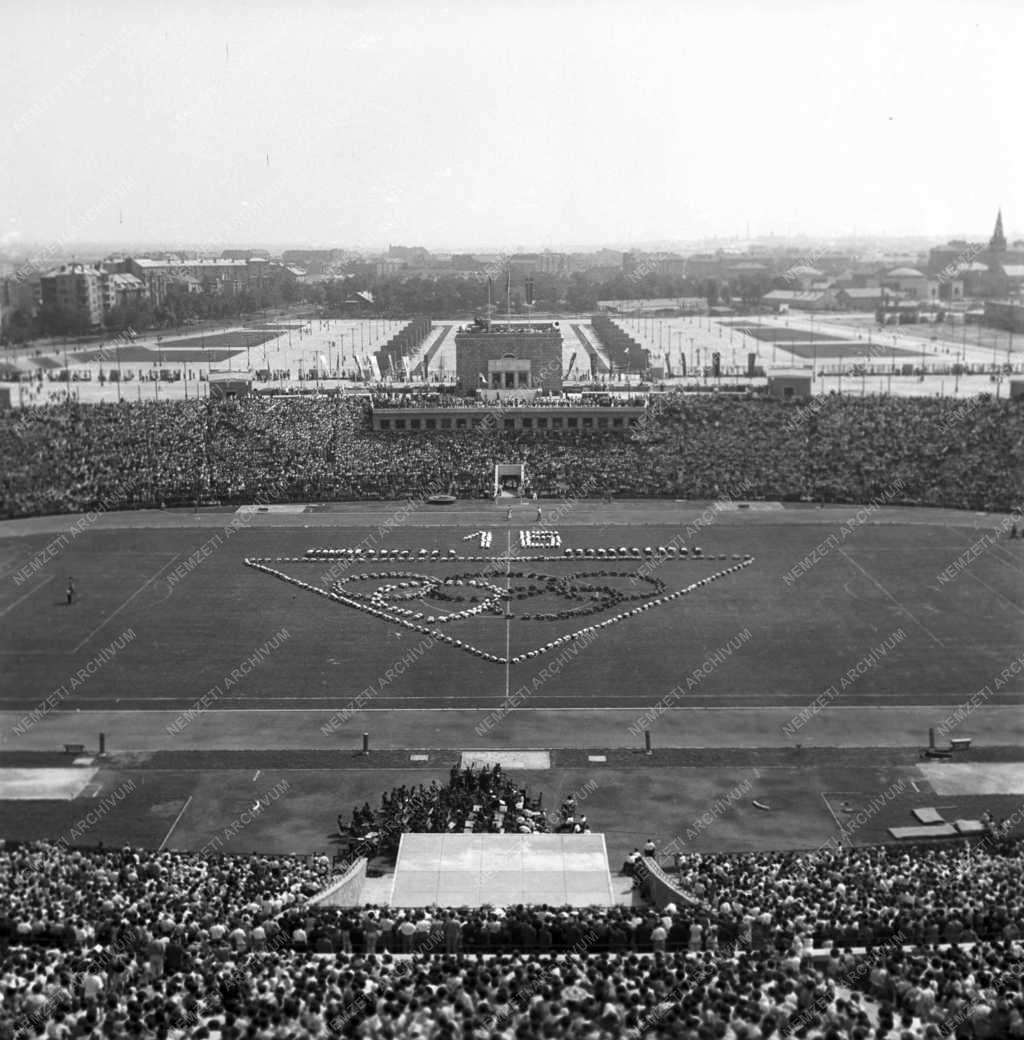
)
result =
(952, 778)
(33, 785)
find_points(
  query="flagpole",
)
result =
(508, 294)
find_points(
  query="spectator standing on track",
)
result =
(71, 590)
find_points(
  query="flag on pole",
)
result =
(483, 378)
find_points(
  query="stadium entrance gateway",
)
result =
(509, 479)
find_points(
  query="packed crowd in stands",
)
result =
(436, 400)
(133, 944)
(861, 897)
(483, 801)
(76, 458)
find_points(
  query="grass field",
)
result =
(215, 347)
(237, 339)
(152, 356)
(704, 809)
(823, 351)
(806, 344)
(773, 334)
(814, 603)
(899, 608)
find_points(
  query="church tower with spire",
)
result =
(997, 243)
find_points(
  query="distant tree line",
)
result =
(448, 295)
(394, 296)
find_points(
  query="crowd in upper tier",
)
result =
(934, 451)
(539, 400)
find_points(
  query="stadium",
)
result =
(701, 725)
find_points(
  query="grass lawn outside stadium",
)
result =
(805, 679)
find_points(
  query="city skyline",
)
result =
(88, 251)
(485, 128)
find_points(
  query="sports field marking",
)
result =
(629, 712)
(878, 585)
(12, 560)
(995, 592)
(111, 617)
(167, 836)
(22, 599)
(828, 805)
(1005, 556)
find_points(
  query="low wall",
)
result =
(346, 890)
(659, 889)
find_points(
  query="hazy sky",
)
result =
(485, 124)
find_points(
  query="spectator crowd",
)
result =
(939, 452)
(125, 943)
(540, 399)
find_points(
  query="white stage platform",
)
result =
(502, 870)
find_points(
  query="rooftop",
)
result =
(795, 294)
